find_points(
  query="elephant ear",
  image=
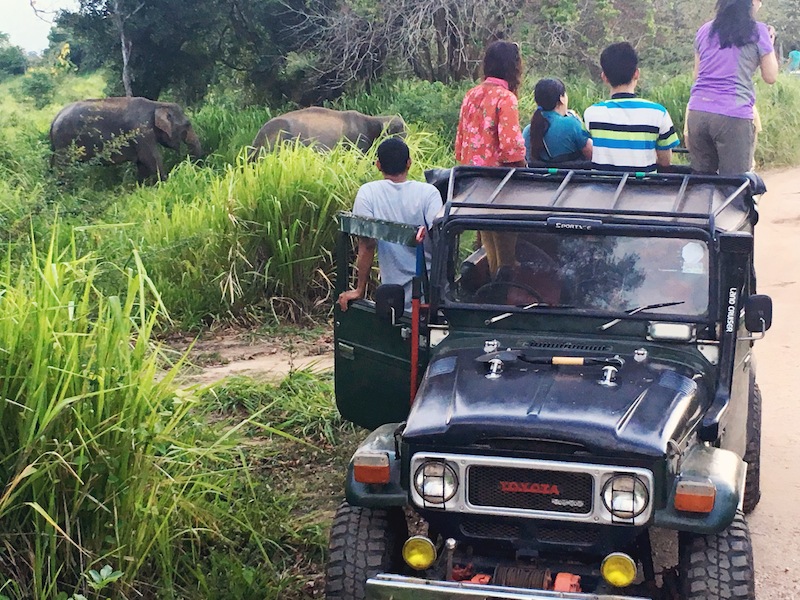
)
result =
(163, 121)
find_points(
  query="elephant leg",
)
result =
(149, 163)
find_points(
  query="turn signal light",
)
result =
(371, 468)
(695, 496)
(419, 552)
(618, 569)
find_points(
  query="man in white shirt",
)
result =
(394, 198)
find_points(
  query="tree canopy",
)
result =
(12, 58)
(309, 50)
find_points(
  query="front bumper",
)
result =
(397, 587)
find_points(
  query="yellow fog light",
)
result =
(419, 552)
(618, 569)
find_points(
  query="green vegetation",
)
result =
(117, 483)
(114, 481)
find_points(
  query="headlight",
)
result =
(625, 496)
(436, 482)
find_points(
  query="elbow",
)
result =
(769, 78)
(587, 150)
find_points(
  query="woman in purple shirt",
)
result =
(728, 51)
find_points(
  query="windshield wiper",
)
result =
(505, 315)
(638, 309)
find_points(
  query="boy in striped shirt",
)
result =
(628, 133)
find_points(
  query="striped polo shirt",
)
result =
(626, 132)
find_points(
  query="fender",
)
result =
(726, 471)
(371, 495)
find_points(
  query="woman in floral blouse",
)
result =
(489, 134)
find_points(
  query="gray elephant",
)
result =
(117, 130)
(325, 128)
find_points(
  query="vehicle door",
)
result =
(372, 357)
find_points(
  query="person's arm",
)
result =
(769, 68)
(366, 254)
(667, 140)
(587, 150)
(696, 66)
(509, 134)
(769, 61)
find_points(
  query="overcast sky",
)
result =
(25, 29)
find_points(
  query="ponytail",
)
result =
(547, 93)
(539, 127)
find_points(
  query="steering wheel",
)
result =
(486, 287)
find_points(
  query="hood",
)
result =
(458, 406)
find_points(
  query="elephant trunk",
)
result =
(193, 142)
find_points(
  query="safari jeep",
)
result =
(538, 420)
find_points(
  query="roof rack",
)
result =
(713, 201)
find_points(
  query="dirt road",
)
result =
(775, 524)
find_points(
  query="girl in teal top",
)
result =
(555, 134)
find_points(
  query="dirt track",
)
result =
(775, 524)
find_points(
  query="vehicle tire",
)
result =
(717, 566)
(752, 453)
(363, 543)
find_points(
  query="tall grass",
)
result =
(257, 236)
(100, 463)
(223, 238)
(779, 108)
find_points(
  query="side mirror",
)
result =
(390, 300)
(758, 313)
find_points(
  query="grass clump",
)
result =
(107, 480)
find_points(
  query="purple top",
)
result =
(724, 84)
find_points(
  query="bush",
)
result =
(40, 86)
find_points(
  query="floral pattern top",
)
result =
(488, 127)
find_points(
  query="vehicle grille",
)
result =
(490, 530)
(530, 489)
(567, 346)
(560, 535)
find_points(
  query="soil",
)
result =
(775, 524)
(259, 355)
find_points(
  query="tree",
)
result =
(153, 45)
(436, 40)
(12, 58)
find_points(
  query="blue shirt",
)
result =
(565, 138)
(794, 60)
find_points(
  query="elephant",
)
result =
(324, 128)
(117, 130)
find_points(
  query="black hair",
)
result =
(619, 62)
(504, 61)
(393, 155)
(547, 94)
(734, 23)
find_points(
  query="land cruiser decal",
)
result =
(730, 318)
(562, 502)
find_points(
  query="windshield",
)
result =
(614, 273)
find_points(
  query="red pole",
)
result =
(416, 292)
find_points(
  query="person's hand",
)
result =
(572, 113)
(420, 233)
(345, 298)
